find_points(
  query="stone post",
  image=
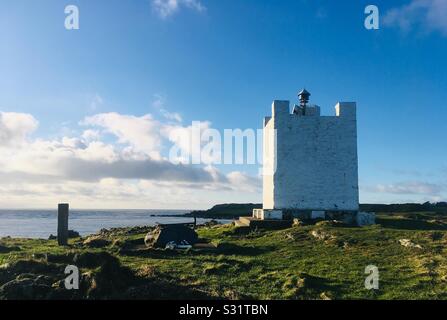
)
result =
(62, 224)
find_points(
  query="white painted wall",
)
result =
(315, 159)
(269, 163)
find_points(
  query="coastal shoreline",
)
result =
(310, 260)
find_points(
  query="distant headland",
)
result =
(235, 210)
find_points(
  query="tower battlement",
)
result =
(280, 108)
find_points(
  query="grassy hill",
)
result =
(315, 261)
(227, 211)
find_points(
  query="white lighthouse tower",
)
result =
(310, 163)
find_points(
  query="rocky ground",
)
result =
(323, 260)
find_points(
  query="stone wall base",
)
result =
(348, 217)
(268, 214)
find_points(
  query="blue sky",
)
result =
(221, 62)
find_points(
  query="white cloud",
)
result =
(159, 103)
(146, 136)
(116, 163)
(173, 116)
(15, 127)
(245, 182)
(430, 15)
(411, 187)
(96, 102)
(166, 8)
(90, 135)
(142, 133)
(182, 138)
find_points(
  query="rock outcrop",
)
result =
(163, 234)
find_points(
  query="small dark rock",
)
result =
(96, 242)
(210, 223)
(40, 256)
(331, 223)
(71, 235)
(5, 249)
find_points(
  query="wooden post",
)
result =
(62, 224)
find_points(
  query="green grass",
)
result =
(289, 263)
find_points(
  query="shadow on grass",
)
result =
(106, 278)
(234, 249)
(320, 283)
(410, 224)
(303, 286)
(8, 249)
(222, 249)
(153, 253)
